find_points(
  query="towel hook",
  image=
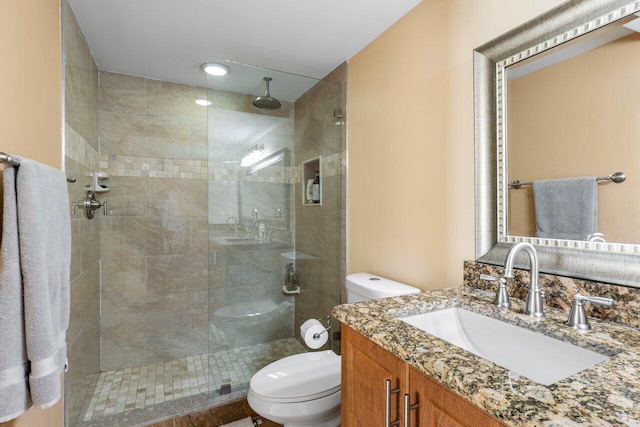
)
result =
(90, 205)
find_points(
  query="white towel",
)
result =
(34, 286)
(14, 388)
(44, 231)
(566, 208)
(245, 422)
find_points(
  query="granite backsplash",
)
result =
(560, 290)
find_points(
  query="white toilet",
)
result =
(304, 390)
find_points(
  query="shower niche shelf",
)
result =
(308, 170)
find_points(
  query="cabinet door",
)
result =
(440, 407)
(365, 368)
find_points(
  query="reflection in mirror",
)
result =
(574, 111)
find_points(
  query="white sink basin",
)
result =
(538, 357)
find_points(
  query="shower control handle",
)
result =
(90, 205)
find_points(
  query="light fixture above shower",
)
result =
(252, 156)
(267, 161)
(215, 69)
(267, 102)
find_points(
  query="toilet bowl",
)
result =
(299, 391)
(304, 390)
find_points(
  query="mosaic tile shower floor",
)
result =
(132, 388)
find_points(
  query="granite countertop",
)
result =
(607, 394)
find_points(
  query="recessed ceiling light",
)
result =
(214, 69)
(203, 102)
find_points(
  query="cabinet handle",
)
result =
(408, 407)
(387, 407)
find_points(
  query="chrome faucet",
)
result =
(534, 307)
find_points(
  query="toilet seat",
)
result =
(298, 378)
(297, 399)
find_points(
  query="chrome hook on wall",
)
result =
(90, 205)
(316, 336)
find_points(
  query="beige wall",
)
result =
(590, 128)
(30, 108)
(410, 104)
(30, 105)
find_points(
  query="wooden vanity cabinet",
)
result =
(365, 369)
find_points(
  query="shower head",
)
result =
(267, 102)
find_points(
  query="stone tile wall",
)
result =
(154, 240)
(166, 189)
(81, 150)
(154, 243)
(319, 228)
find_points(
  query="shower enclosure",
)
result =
(259, 223)
(177, 293)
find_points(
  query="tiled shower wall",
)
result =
(154, 246)
(319, 229)
(153, 140)
(81, 149)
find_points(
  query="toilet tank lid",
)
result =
(375, 287)
(306, 375)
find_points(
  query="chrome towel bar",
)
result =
(12, 161)
(617, 177)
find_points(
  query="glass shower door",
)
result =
(254, 197)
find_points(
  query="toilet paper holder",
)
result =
(316, 336)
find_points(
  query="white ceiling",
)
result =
(169, 39)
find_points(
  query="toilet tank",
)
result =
(367, 286)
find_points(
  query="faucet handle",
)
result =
(578, 316)
(607, 302)
(502, 296)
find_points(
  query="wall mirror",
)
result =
(533, 123)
